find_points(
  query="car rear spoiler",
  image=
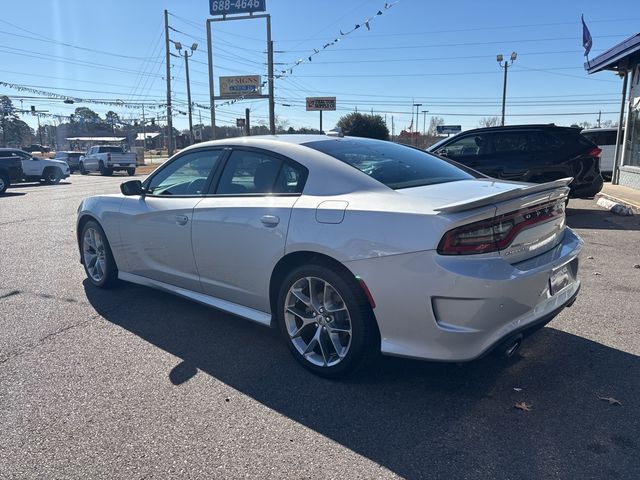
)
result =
(525, 190)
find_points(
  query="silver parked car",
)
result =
(350, 246)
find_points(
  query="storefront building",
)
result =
(624, 59)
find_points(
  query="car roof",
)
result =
(506, 128)
(9, 149)
(590, 130)
(296, 139)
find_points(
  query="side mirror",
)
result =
(132, 187)
(442, 152)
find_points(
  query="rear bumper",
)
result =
(457, 308)
(587, 190)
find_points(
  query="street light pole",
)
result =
(417, 129)
(186, 64)
(506, 65)
(424, 122)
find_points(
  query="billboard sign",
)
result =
(241, 86)
(321, 103)
(447, 129)
(231, 7)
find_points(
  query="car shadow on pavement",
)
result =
(417, 419)
(12, 194)
(598, 219)
(38, 184)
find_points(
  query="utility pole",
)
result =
(169, 113)
(186, 64)
(417, 129)
(144, 131)
(393, 129)
(272, 103)
(247, 124)
(424, 122)
(599, 117)
(507, 64)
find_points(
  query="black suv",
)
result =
(10, 169)
(528, 153)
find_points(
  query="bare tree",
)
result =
(489, 122)
(433, 126)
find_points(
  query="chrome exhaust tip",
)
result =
(509, 347)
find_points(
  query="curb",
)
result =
(633, 206)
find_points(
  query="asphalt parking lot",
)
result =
(135, 383)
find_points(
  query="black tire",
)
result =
(102, 169)
(83, 170)
(131, 172)
(364, 344)
(110, 277)
(4, 182)
(52, 176)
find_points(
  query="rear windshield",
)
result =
(392, 164)
(602, 138)
(110, 149)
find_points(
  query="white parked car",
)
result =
(350, 246)
(38, 169)
(605, 138)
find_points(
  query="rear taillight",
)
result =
(594, 152)
(497, 233)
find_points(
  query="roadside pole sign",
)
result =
(231, 7)
(240, 122)
(321, 103)
(246, 86)
(447, 129)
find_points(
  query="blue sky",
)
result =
(441, 54)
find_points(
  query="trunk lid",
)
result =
(527, 219)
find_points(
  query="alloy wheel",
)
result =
(318, 321)
(94, 255)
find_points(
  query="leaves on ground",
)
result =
(611, 400)
(524, 406)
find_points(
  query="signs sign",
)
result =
(447, 129)
(230, 7)
(240, 122)
(246, 86)
(321, 103)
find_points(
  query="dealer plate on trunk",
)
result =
(562, 277)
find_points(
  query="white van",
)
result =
(605, 138)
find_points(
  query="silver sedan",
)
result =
(351, 247)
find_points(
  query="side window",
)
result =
(542, 142)
(186, 175)
(256, 172)
(510, 142)
(466, 146)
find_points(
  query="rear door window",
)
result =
(256, 172)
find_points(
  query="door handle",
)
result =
(269, 220)
(182, 219)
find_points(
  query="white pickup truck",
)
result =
(107, 159)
